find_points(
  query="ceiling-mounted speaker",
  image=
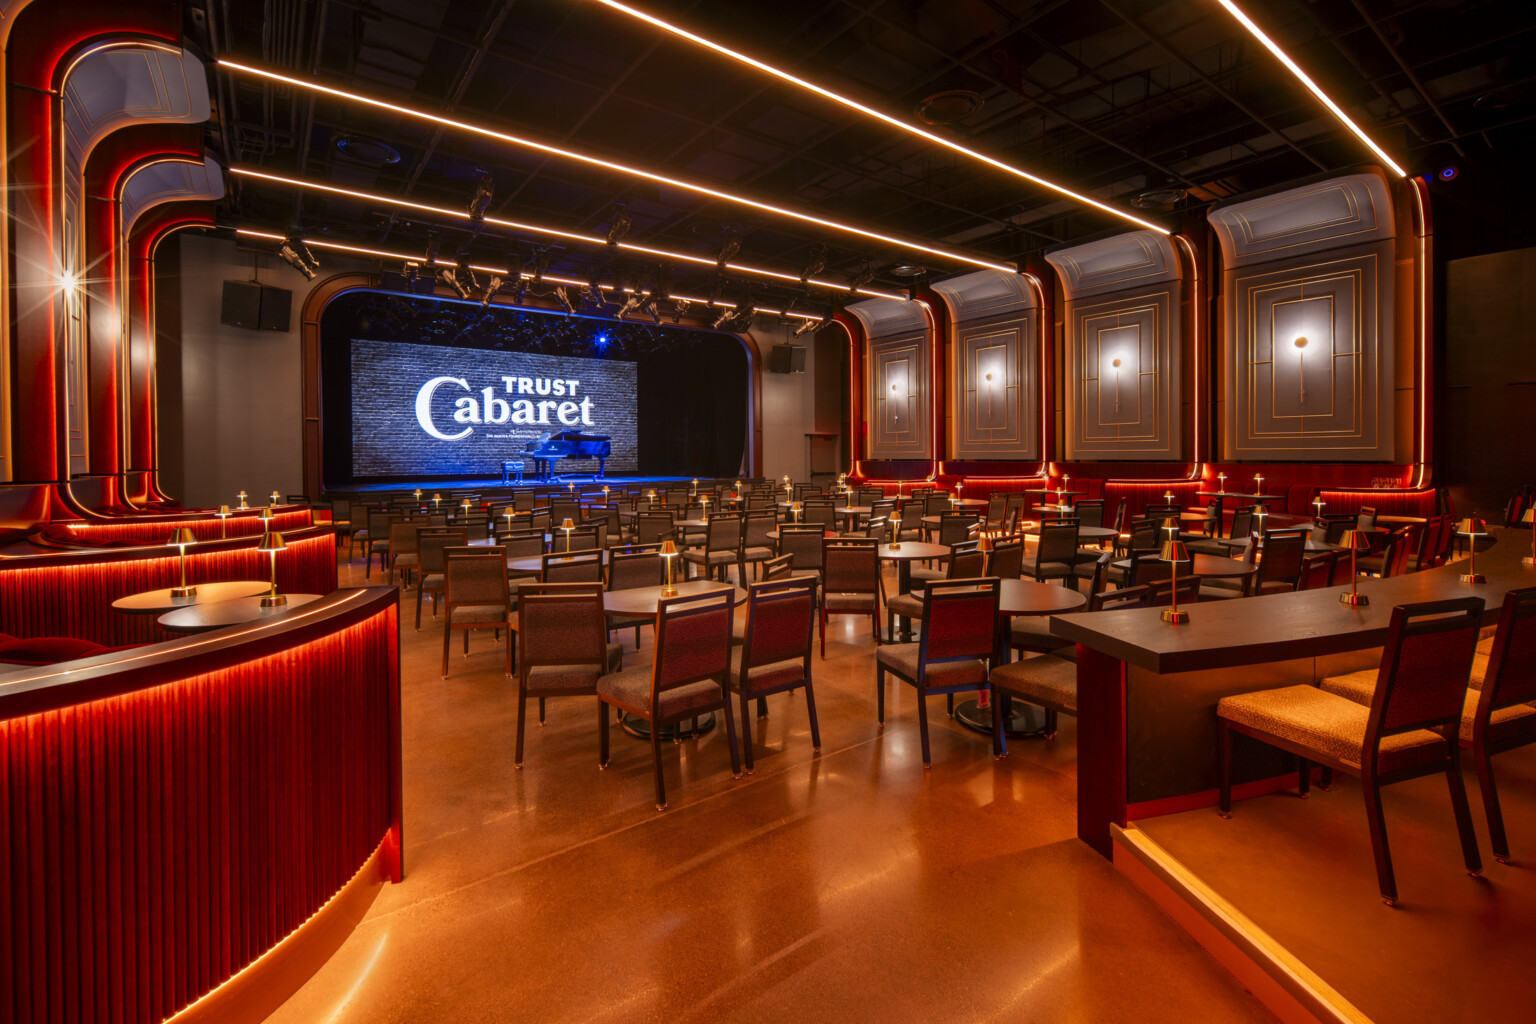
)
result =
(787, 359)
(256, 307)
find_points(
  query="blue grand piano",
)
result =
(566, 444)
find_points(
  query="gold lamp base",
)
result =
(183, 591)
(1528, 560)
(669, 591)
(274, 600)
(1473, 577)
(894, 545)
(1357, 600)
(1175, 616)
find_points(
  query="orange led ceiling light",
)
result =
(852, 104)
(1316, 90)
(611, 165)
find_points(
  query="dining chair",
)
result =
(1055, 554)
(804, 545)
(775, 653)
(475, 596)
(583, 565)
(1410, 728)
(954, 650)
(722, 545)
(1032, 633)
(1048, 680)
(564, 646)
(851, 583)
(756, 545)
(963, 563)
(1006, 559)
(689, 677)
(432, 555)
(1280, 564)
(630, 570)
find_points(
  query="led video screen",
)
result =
(431, 410)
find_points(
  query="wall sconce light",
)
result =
(1115, 362)
(1301, 365)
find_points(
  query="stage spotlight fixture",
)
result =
(725, 314)
(652, 308)
(809, 325)
(410, 272)
(595, 293)
(491, 288)
(865, 276)
(522, 291)
(449, 278)
(314, 264)
(729, 248)
(481, 200)
(564, 299)
(631, 303)
(434, 247)
(620, 223)
(679, 308)
(816, 264)
(295, 261)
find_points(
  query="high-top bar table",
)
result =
(1147, 689)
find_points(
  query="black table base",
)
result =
(1025, 721)
(684, 730)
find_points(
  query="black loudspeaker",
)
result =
(787, 359)
(255, 306)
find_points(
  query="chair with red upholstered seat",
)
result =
(954, 652)
(775, 653)
(689, 676)
(1409, 729)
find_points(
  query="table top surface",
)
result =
(1210, 566)
(1299, 624)
(1313, 546)
(535, 563)
(1083, 532)
(912, 551)
(969, 502)
(200, 618)
(1238, 494)
(1031, 597)
(645, 600)
(156, 601)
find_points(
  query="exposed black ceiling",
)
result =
(1116, 98)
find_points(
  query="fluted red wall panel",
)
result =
(155, 529)
(157, 841)
(72, 595)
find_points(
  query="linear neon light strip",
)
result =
(540, 229)
(871, 112)
(1301, 76)
(503, 271)
(903, 243)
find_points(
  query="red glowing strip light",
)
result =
(394, 108)
(553, 232)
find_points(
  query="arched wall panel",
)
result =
(1308, 345)
(1123, 378)
(993, 409)
(897, 379)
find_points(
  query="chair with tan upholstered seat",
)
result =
(475, 597)
(564, 646)
(432, 556)
(954, 652)
(1409, 729)
(775, 653)
(851, 583)
(1049, 680)
(689, 675)
(963, 563)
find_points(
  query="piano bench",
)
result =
(511, 467)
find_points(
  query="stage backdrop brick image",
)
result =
(428, 410)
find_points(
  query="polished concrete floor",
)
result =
(849, 885)
(1455, 948)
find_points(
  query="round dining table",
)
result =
(535, 563)
(646, 602)
(907, 552)
(200, 618)
(158, 602)
(1019, 597)
(1313, 546)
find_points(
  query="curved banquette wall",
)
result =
(71, 593)
(190, 828)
